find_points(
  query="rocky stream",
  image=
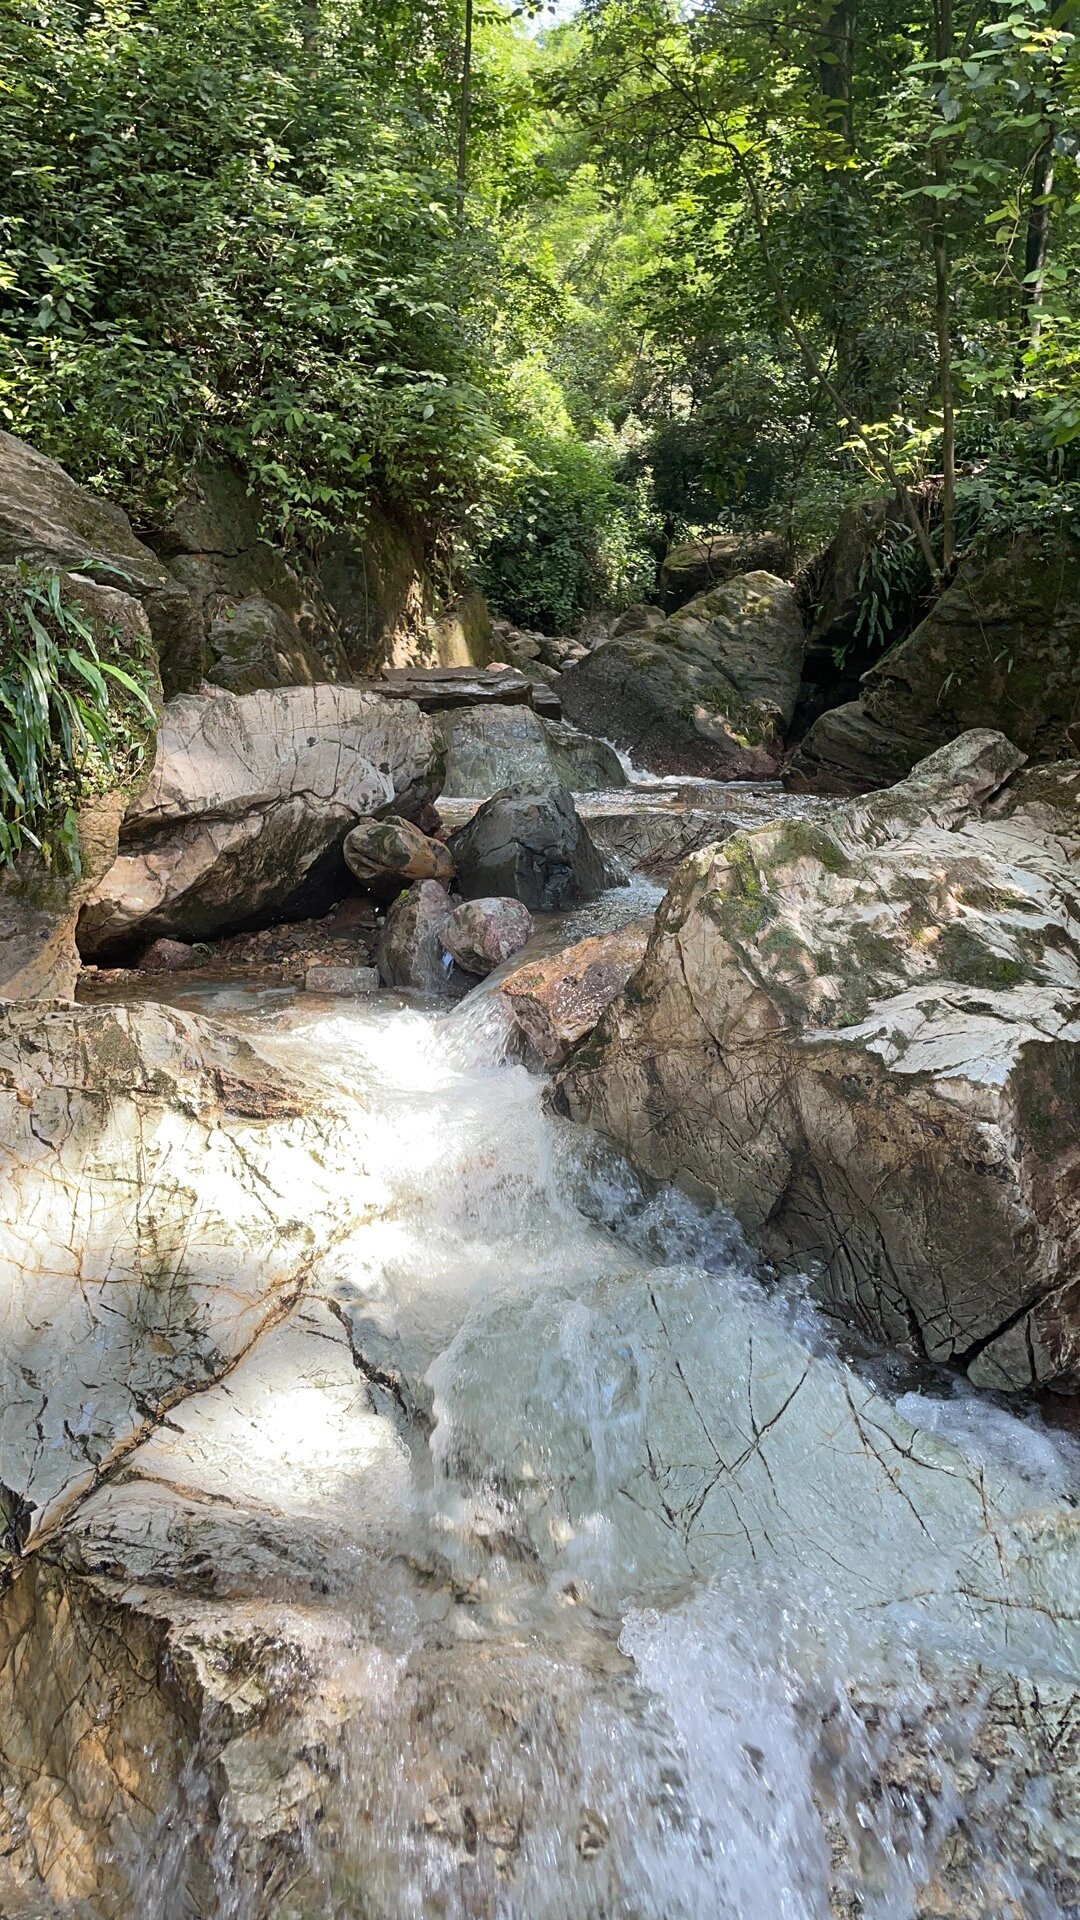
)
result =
(540, 1304)
(431, 1516)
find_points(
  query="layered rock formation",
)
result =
(863, 1036)
(249, 796)
(1000, 648)
(711, 691)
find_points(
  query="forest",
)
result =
(540, 960)
(587, 288)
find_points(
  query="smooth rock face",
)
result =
(247, 796)
(49, 521)
(863, 1035)
(481, 934)
(712, 691)
(408, 953)
(530, 845)
(387, 855)
(557, 1001)
(1000, 648)
(491, 748)
(162, 1195)
(696, 566)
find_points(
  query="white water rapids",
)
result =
(658, 1609)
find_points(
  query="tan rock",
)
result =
(557, 1001)
(387, 855)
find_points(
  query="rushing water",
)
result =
(658, 1610)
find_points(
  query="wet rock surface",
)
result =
(529, 844)
(377, 1534)
(408, 952)
(247, 797)
(557, 1001)
(862, 1036)
(711, 691)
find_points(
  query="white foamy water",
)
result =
(681, 1618)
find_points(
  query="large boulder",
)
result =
(488, 748)
(248, 803)
(712, 691)
(530, 845)
(387, 855)
(696, 566)
(863, 1036)
(163, 1192)
(1000, 648)
(264, 620)
(50, 522)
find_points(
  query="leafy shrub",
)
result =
(74, 722)
(577, 537)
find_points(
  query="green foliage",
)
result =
(74, 721)
(576, 538)
(228, 227)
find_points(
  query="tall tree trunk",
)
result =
(1038, 236)
(836, 67)
(463, 110)
(943, 26)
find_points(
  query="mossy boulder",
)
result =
(711, 691)
(1000, 648)
(863, 1036)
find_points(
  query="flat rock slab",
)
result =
(441, 689)
(341, 980)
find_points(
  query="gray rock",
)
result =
(409, 953)
(1000, 648)
(530, 844)
(49, 521)
(248, 795)
(489, 748)
(481, 934)
(863, 1036)
(167, 956)
(712, 691)
(639, 619)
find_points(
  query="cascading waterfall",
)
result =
(682, 1616)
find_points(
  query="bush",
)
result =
(74, 722)
(577, 538)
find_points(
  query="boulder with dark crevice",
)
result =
(863, 1036)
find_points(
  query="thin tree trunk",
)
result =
(463, 110)
(943, 316)
(1038, 237)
